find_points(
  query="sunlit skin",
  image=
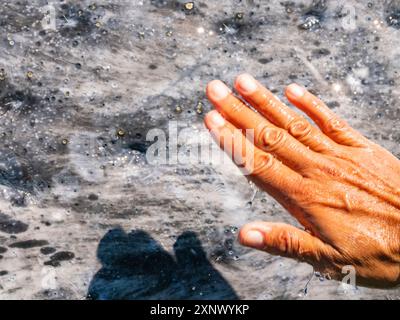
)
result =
(343, 188)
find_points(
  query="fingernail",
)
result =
(215, 119)
(254, 239)
(296, 90)
(247, 83)
(217, 90)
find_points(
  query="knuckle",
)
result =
(272, 138)
(300, 129)
(289, 243)
(237, 106)
(261, 165)
(334, 126)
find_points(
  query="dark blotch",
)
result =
(11, 96)
(74, 21)
(152, 66)
(29, 244)
(333, 104)
(56, 258)
(2, 249)
(139, 146)
(47, 250)
(321, 52)
(11, 226)
(3, 273)
(231, 26)
(317, 9)
(93, 197)
(171, 4)
(265, 60)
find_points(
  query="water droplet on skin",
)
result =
(64, 142)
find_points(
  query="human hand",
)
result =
(343, 188)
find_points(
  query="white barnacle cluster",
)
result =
(309, 23)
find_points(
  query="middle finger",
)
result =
(278, 113)
(263, 133)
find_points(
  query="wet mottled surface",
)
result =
(82, 212)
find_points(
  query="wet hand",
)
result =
(343, 188)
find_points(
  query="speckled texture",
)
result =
(81, 211)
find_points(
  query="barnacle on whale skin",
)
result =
(392, 13)
(313, 15)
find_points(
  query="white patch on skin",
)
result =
(354, 83)
(362, 73)
(200, 30)
(337, 87)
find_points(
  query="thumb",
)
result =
(284, 240)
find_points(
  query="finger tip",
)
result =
(214, 120)
(253, 234)
(295, 91)
(252, 238)
(208, 116)
(241, 77)
(246, 84)
(217, 90)
(212, 83)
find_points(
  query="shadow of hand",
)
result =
(136, 267)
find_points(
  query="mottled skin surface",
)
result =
(70, 176)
